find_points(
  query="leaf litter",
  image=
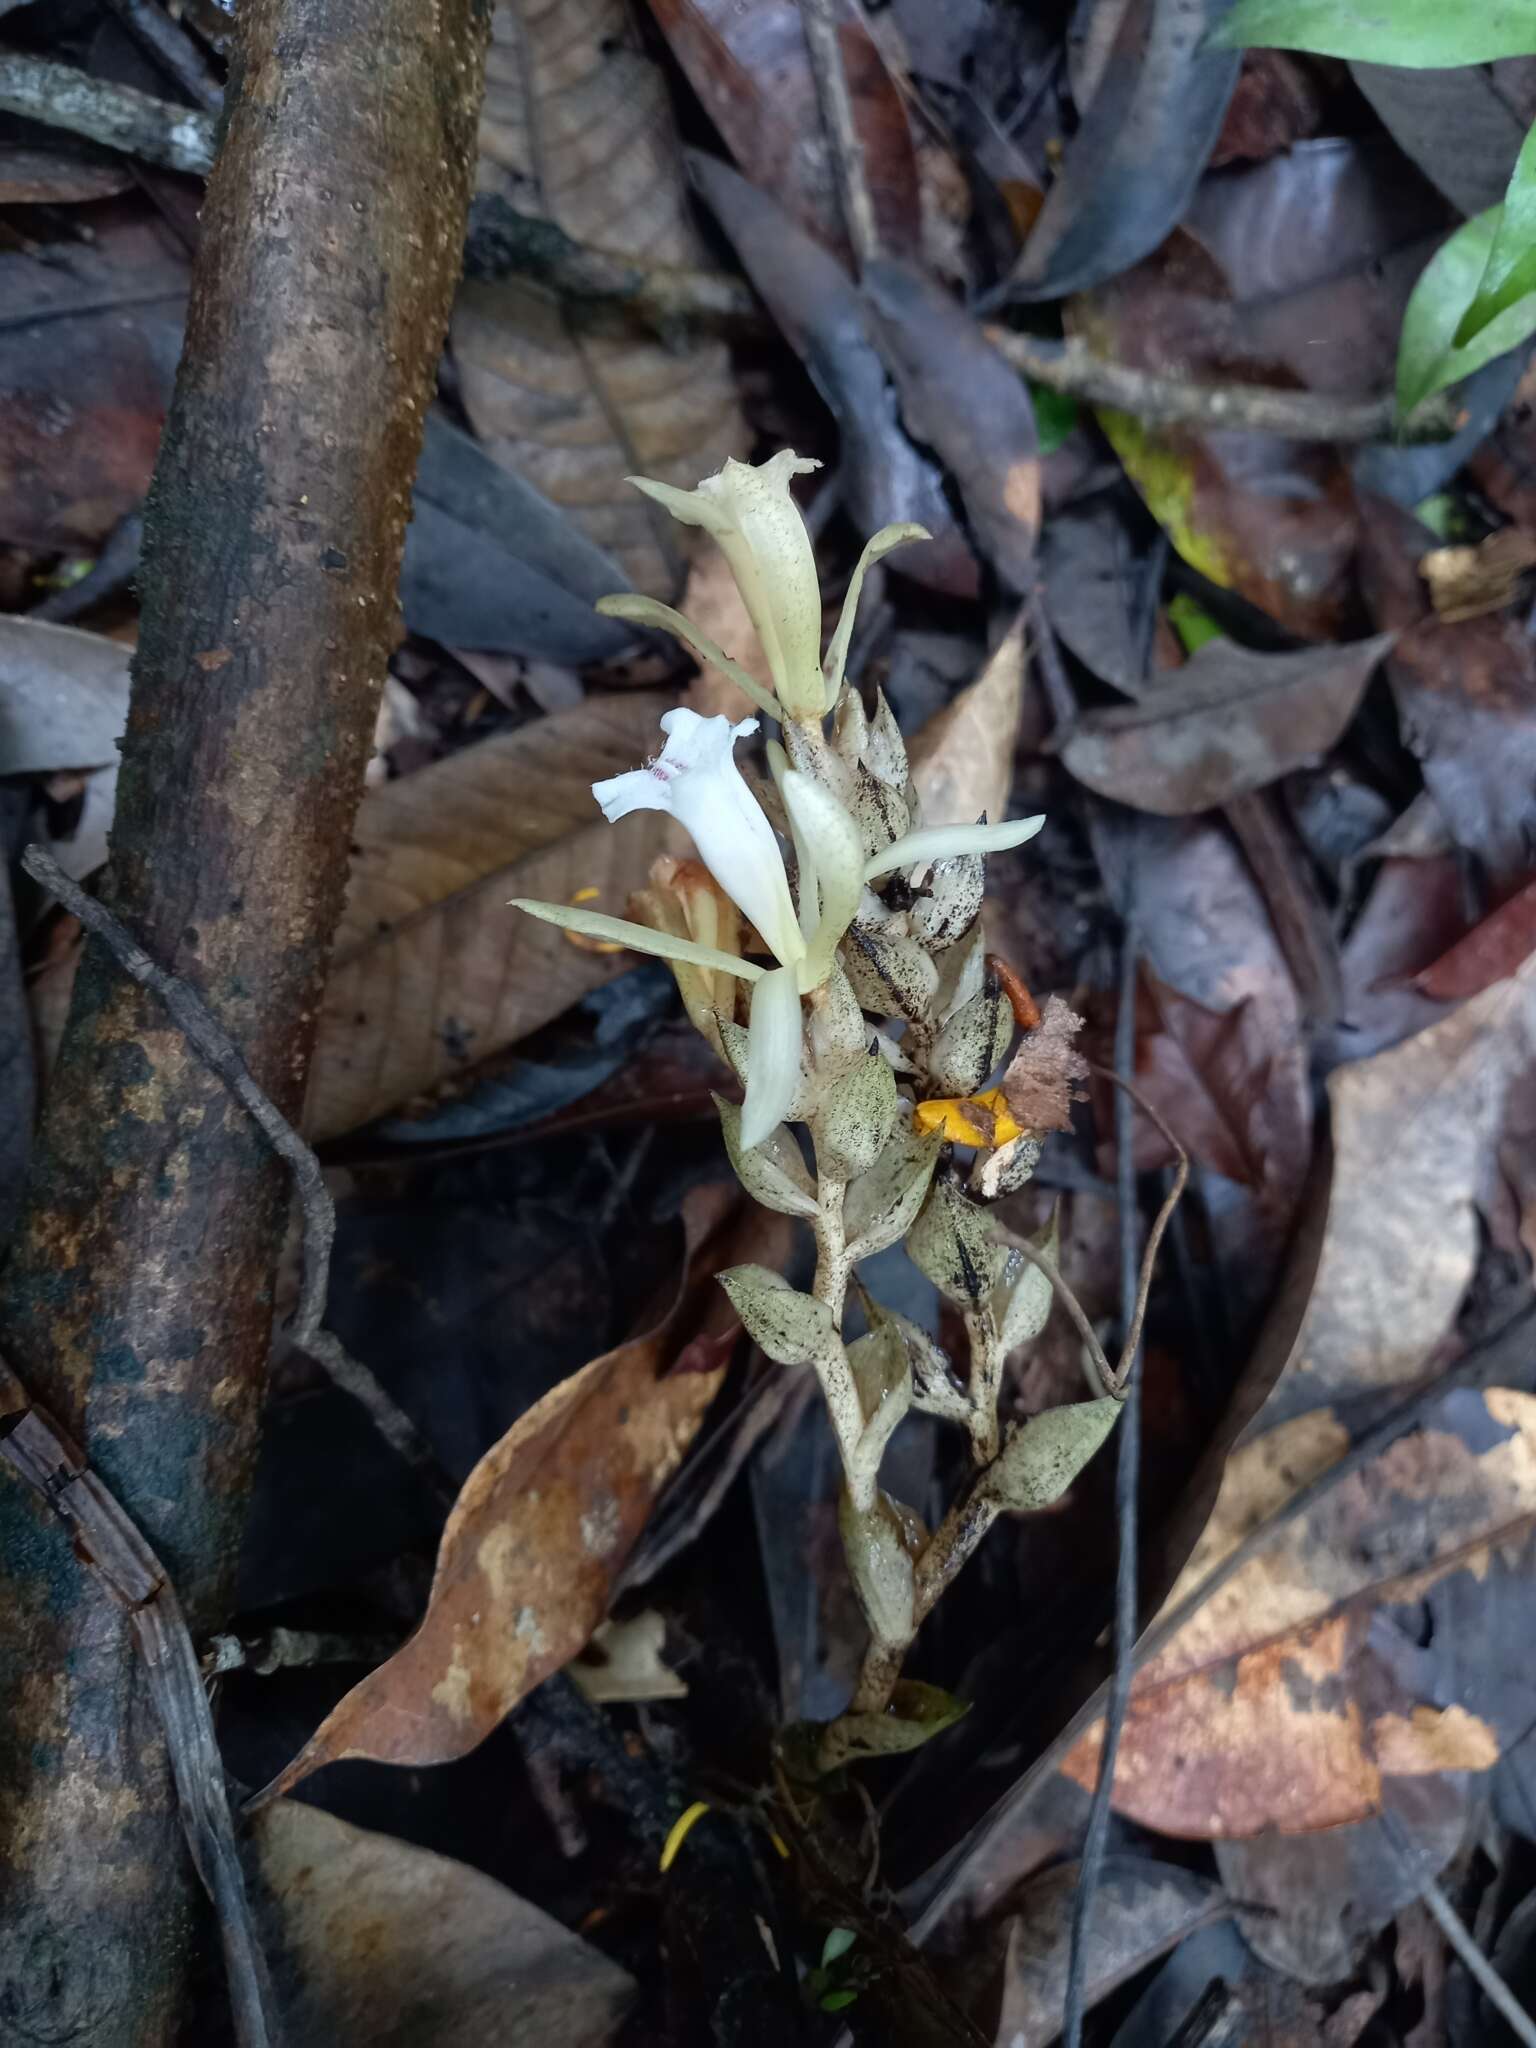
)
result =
(1273, 691)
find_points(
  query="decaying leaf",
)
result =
(432, 971)
(1285, 1702)
(1041, 1081)
(576, 129)
(624, 1661)
(63, 697)
(1496, 947)
(1141, 1909)
(962, 760)
(543, 1525)
(1466, 582)
(961, 399)
(1229, 721)
(1414, 1133)
(375, 1943)
(748, 62)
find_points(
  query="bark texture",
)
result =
(137, 1300)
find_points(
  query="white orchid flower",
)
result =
(753, 515)
(696, 779)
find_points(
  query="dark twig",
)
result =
(1127, 1485)
(842, 134)
(220, 1053)
(1486, 1977)
(176, 138)
(33, 1444)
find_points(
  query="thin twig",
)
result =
(177, 138)
(847, 151)
(1072, 368)
(1127, 1485)
(1164, 1215)
(1489, 1982)
(127, 1569)
(1104, 1372)
(219, 1052)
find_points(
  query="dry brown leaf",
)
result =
(378, 1944)
(1040, 1083)
(1275, 1706)
(962, 760)
(577, 129)
(544, 1523)
(1414, 1135)
(432, 971)
(1466, 582)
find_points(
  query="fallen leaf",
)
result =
(542, 1527)
(1466, 698)
(1040, 1083)
(60, 172)
(1144, 140)
(1466, 582)
(1210, 1074)
(1279, 101)
(1457, 126)
(1415, 911)
(87, 359)
(1414, 1133)
(749, 64)
(624, 1661)
(1497, 947)
(1101, 576)
(887, 479)
(63, 697)
(1228, 721)
(960, 398)
(576, 128)
(1280, 1704)
(375, 1943)
(1141, 1909)
(431, 970)
(962, 759)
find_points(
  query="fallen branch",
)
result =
(128, 1571)
(155, 131)
(214, 1045)
(137, 1300)
(819, 20)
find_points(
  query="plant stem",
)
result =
(987, 1358)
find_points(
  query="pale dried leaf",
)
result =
(544, 1524)
(375, 1943)
(624, 1662)
(1041, 1081)
(63, 697)
(577, 129)
(962, 760)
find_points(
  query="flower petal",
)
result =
(650, 611)
(772, 559)
(935, 842)
(837, 850)
(877, 545)
(691, 508)
(773, 1055)
(639, 938)
(805, 859)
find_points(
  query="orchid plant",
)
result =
(878, 1025)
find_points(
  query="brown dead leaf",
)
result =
(544, 1523)
(432, 971)
(376, 1942)
(1141, 1909)
(1496, 947)
(962, 760)
(1414, 1135)
(1040, 1083)
(1210, 1074)
(1277, 1706)
(577, 128)
(1227, 722)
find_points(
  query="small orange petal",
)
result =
(984, 1121)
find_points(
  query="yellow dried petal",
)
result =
(984, 1121)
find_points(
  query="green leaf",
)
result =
(837, 1944)
(791, 1327)
(1428, 358)
(952, 1243)
(1510, 273)
(916, 1714)
(879, 1563)
(838, 2001)
(881, 1204)
(1041, 1458)
(1421, 35)
(1193, 624)
(855, 1117)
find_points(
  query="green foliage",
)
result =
(1419, 35)
(1055, 416)
(1428, 357)
(1510, 272)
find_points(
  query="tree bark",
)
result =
(137, 1300)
